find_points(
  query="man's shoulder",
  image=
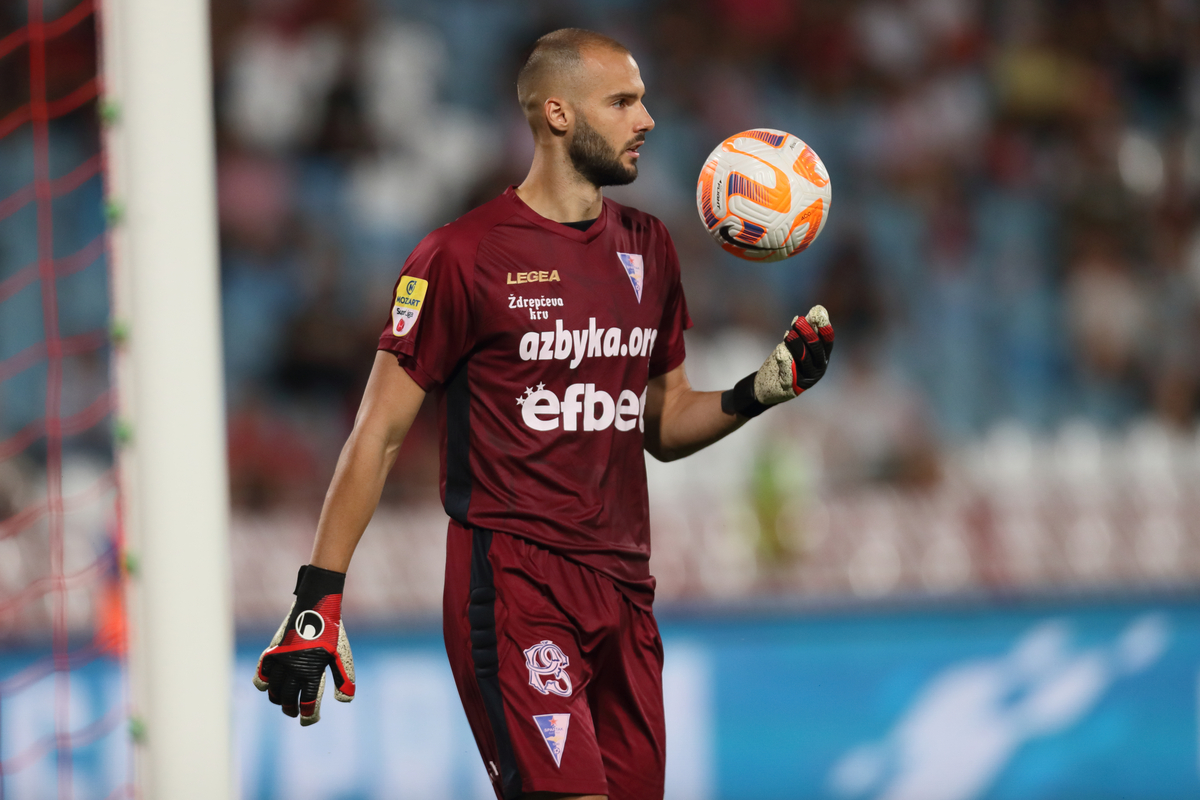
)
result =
(636, 220)
(460, 238)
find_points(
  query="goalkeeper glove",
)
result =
(310, 639)
(796, 364)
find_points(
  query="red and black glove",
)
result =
(292, 670)
(795, 365)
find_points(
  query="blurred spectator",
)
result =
(1108, 320)
(280, 83)
(261, 291)
(270, 464)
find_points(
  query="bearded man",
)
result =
(548, 323)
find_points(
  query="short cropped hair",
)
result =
(554, 55)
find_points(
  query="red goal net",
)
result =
(65, 730)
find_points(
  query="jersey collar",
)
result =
(556, 227)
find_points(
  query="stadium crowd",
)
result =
(1013, 235)
(1012, 263)
(1012, 259)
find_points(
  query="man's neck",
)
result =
(556, 191)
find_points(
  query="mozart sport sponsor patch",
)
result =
(410, 296)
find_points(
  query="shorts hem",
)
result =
(562, 786)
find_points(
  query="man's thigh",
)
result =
(627, 709)
(521, 666)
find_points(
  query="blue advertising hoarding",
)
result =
(1045, 700)
(1023, 703)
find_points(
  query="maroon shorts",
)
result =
(560, 673)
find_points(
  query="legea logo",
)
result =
(582, 405)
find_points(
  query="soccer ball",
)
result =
(763, 195)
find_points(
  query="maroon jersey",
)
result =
(540, 339)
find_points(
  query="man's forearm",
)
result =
(389, 406)
(352, 497)
(679, 421)
(691, 421)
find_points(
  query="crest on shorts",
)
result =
(636, 270)
(547, 665)
(554, 730)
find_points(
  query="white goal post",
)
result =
(160, 182)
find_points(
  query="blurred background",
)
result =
(982, 527)
(1012, 262)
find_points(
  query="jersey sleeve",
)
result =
(430, 328)
(669, 349)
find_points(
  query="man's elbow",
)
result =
(375, 437)
(662, 453)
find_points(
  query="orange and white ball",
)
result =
(763, 195)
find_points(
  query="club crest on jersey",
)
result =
(635, 269)
(547, 665)
(553, 728)
(410, 296)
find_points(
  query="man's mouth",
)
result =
(632, 149)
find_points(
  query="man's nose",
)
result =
(646, 124)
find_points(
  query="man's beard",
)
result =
(595, 160)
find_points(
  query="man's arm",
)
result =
(389, 405)
(679, 420)
(312, 638)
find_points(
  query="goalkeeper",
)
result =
(548, 325)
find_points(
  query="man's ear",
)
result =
(559, 116)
